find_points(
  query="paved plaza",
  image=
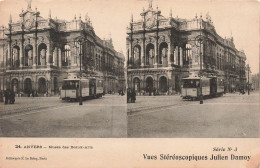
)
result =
(51, 117)
(230, 116)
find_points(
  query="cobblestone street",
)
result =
(232, 115)
(52, 117)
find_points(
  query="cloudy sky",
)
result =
(239, 18)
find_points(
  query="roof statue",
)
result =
(86, 17)
(49, 14)
(150, 3)
(10, 19)
(29, 4)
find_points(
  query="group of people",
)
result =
(9, 96)
(121, 93)
(152, 90)
(131, 96)
(32, 93)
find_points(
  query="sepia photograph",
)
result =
(193, 70)
(59, 77)
(136, 83)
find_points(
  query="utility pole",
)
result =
(248, 87)
(80, 74)
(199, 40)
(3, 64)
(201, 96)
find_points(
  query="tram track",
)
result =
(26, 110)
(152, 109)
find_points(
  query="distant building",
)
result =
(37, 53)
(163, 50)
(255, 81)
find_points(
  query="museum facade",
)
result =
(163, 50)
(38, 53)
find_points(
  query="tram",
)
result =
(91, 88)
(211, 87)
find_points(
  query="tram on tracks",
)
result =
(92, 87)
(211, 87)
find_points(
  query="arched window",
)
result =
(163, 54)
(28, 58)
(149, 58)
(42, 52)
(137, 55)
(15, 56)
(187, 55)
(136, 83)
(66, 55)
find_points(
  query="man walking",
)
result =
(7, 95)
(12, 97)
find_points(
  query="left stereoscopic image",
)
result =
(60, 73)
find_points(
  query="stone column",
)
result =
(156, 55)
(202, 55)
(21, 54)
(20, 84)
(74, 56)
(156, 82)
(35, 83)
(169, 84)
(59, 58)
(49, 55)
(9, 55)
(130, 55)
(142, 57)
(176, 55)
(55, 56)
(35, 52)
(169, 54)
(173, 83)
(181, 56)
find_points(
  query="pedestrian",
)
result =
(154, 91)
(12, 97)
(150, 91)
(128, 95)
(6, 94)
(1, 96)
(133, 96)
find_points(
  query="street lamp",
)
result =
(80, 40)
(80, 74)
(199, 39)
(3, 64)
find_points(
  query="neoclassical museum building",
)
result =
(38, 53)
(163, 50)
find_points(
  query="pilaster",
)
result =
(169, 54)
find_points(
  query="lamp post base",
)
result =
(201, 100)
(80, 101)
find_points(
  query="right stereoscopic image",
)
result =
(193, 70)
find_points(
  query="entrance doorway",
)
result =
(42, 86)
(27, 86)
(149, 84)
(137, 84)
(14, 85)
(55, 83)
(163, 84)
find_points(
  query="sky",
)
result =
(237, 18)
